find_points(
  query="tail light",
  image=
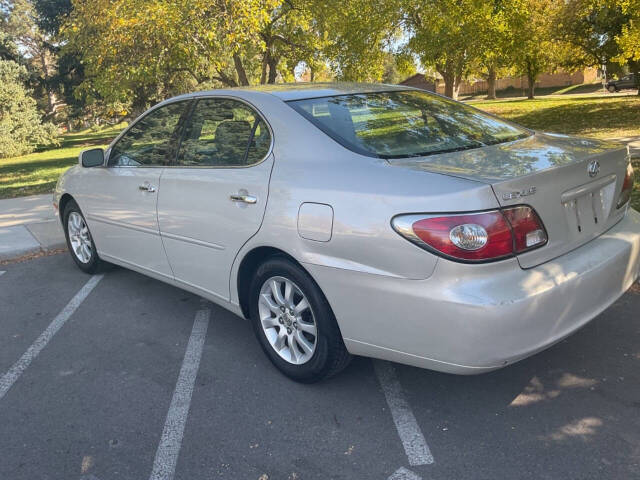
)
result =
(476, 236)
(627, 187)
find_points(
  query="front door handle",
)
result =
(244, 198)
(147, 187)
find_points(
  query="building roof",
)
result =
(415, 76)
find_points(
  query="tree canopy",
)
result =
(88, 60)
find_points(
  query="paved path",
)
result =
(28, 225)
(634, 144)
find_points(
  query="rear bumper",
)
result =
(475, 318)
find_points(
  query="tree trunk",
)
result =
(635, 69)
(51, 96)
(273, 72)
(449, 83)
(456, 87)
(263, 71)
(242, 74)
(531, 86)
(491, 83)
(531, 81)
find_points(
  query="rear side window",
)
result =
(404, 123)
(151, 140)
(223, 133)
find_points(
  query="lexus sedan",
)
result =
(355, 219)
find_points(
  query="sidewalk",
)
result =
(27, 226)
(634, 145)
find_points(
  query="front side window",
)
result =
(151, 140)
(404, 124)
(223, 133)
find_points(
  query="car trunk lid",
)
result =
(554, 174)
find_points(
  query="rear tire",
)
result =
(79, 240)
(288, 311)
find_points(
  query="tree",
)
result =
(141, 51)
(398, 67)
(591, 26)
(602, 32)
(136, 52)
(34, 45)
(21, 128)
(8, 48)
(446, 36)
(496, 45)
(359, 35)
(51, 14)
(629, 39)
(289, 37)
(534, 49)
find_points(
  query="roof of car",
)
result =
(300, 90)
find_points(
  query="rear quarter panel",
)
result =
(365, 194)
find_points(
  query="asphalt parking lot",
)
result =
(124, 377)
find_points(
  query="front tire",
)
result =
(612, 89)
(79, 240)
(294, 323)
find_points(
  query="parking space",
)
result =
(108, 395)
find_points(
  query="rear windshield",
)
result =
(404, 123)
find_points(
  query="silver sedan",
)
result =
(350, 219)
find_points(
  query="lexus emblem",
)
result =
(593, 168)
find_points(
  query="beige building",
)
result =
(557, 79)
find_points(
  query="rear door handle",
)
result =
(147, 187)
(243, 198)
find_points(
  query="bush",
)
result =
(21, 127)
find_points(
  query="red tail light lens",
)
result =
(442, 233)
(475, 237)
(627, 187)
(528, 231)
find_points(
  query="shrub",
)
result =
(21, 127)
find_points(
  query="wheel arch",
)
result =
(62, 204)
(250, 263)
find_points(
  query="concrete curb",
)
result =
(29, 226)
(20, 240)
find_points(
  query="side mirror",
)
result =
(93, 157)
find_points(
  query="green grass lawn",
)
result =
(595, 116)
(38, 172)
(598, 116)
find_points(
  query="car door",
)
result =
(629, 81)
(121, 209)
(213, 198)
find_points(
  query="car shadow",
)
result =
(571, 411)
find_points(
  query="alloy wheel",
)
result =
(287, 320)
(79, 237)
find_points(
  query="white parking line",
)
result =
(404, 474)
(9, 378)
(2, 272)
(415, 446)
(164, 465)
